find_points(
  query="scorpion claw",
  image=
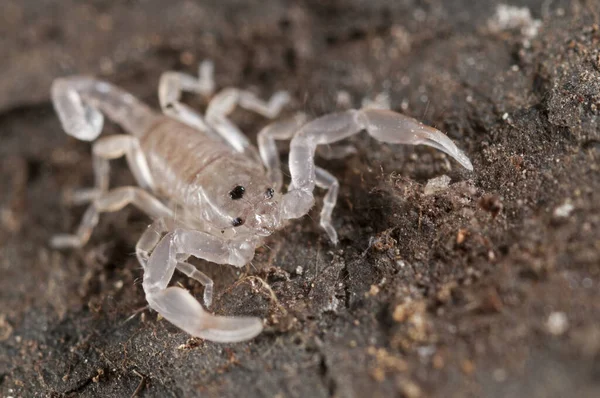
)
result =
(180, 308)
(395, 128)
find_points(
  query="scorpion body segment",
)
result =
(211, 194)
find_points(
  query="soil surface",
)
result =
(486, 287)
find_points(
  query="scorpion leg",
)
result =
(173, 84)
(199, 276)
(336, 152)
(280, 130)
(148, 242)
(177, 305)
(285, 130)
(223, 104)
(324, 179)
(113, 147)
(111, 201)
(384, 125)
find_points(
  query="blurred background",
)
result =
(483, 285)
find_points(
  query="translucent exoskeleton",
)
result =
(210, 193)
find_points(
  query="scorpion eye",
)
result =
(270, 192)
(237, 192)
(237, 222)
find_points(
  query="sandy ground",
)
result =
(487, 287)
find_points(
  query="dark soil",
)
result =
(489, 287)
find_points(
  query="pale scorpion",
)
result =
(210, 193)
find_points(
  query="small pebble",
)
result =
(499, 375)
(461, 235)
(374, 290)
(437, 184)
(557, 323)
(564, 210)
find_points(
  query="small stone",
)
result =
(400, 313)
(299, 270)
(6, 328)
(438, 361)
(374, 290)
(557, 323)
(344, 99)
(96, 378)
(468, 367)
(378, 374)
(461, 235)
(499, 375)
(187, 58)
(437, 184)
(444, 294)
(410, 389)
(564, 210)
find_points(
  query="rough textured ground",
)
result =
(486, 288)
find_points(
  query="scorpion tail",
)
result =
(82, 101)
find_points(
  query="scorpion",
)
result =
(210, 193)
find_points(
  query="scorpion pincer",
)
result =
(211, 194)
